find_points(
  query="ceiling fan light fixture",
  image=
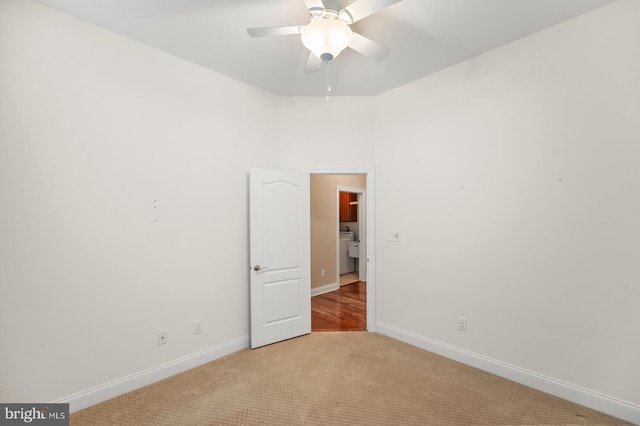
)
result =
(316, 11)
(326, 38)
(346, 17)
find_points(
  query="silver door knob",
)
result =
(259, 268)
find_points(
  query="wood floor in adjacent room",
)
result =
(340, 310)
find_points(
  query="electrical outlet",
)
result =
(323, 272)
(162, 337)
(462, 324)
(197, 327)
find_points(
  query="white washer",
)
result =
(354, 249)
(346, 262)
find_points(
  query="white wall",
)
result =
(317, 133)
(514, 177)
(93, 129)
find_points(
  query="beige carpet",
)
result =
(337, 378)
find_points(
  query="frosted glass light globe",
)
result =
(326, 38)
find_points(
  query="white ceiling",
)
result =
(424, 36)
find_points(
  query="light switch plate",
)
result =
(393, 236)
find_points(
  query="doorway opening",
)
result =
(351, 234)
(342, 206)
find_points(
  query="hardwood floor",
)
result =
(340, 310)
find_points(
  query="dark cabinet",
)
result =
(348, 207)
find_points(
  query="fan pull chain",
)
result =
(328, 75)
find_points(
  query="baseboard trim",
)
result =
(324, 289)
(614, 407)
(108, 391)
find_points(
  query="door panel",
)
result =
(281, 301)
(280, 256)
(281, 212)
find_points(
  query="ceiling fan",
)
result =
(328, 32)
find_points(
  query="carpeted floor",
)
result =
(337, 378)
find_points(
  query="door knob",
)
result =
(259, 268)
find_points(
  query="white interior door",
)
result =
(279, 253)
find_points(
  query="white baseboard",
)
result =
(324, 289)
(108, 391)
(614, 407)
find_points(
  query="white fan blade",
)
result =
(368, 47)
(360, 9)
(313, 63)
(273, 31)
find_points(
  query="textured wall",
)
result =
(123, 182)
(517, 174)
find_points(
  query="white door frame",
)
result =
(361, 230)
(369, 172)
(362, 233)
